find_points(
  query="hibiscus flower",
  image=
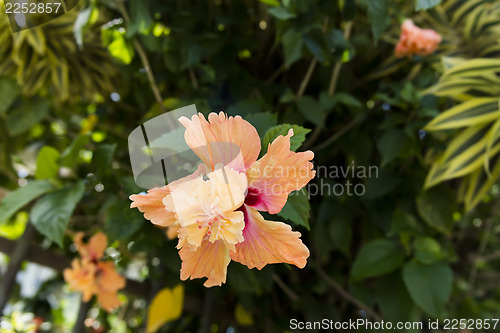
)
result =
(90, 275)
(414, 40)
(216, 210)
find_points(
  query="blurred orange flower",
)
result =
(215, 211)
(414, 40)
(91, 276)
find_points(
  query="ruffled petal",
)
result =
(231, 141)
(152, 206)
(277, 174)
(210, 260)
(268, 242)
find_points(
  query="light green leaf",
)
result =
(299, 135)
(121, 49)
(429, 286)
(377, 258)
(47, 163)
(51, 213)
(297, 208)
(19, 198)
(427, 250)
(274, 3)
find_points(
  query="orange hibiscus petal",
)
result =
(152, 206)
(210, 260)
(97, 245)
(80, 277)
(231, 141)
(107, 277)
(268, 242)
(108, 300)
(277, 174)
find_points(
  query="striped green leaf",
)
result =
(475, 68)
(470, 113)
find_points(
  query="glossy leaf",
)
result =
(51, 213)
(377, 258)
(20, 197)
(430, 286)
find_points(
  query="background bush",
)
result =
(414, 246)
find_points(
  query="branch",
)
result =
(59, 262)
(293, 296)
(18, 253)
(348, 296)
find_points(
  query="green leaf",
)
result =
(347, 99)
(384, 182)
(340, 229)
(140, 17)
(262, 121)
(378, 14)
(403, 222)
(427, 250)
(377, 258)
(116, 214)
(311, 110)
(473, 112)
(9, 90)
(429, 286)
(47, 163)
(317, 44)
(103, 155)
(392, 144)
(51, 213)
(426, 4)
(281, 13)
(297, 208)
(292, 46)
(19, 198)
(436, 207)
(69, 157)
(120, 48)
(299, 135)
(393, 298)
(21, 119)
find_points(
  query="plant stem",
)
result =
(348, 296)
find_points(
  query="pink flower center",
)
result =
(253, 196)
